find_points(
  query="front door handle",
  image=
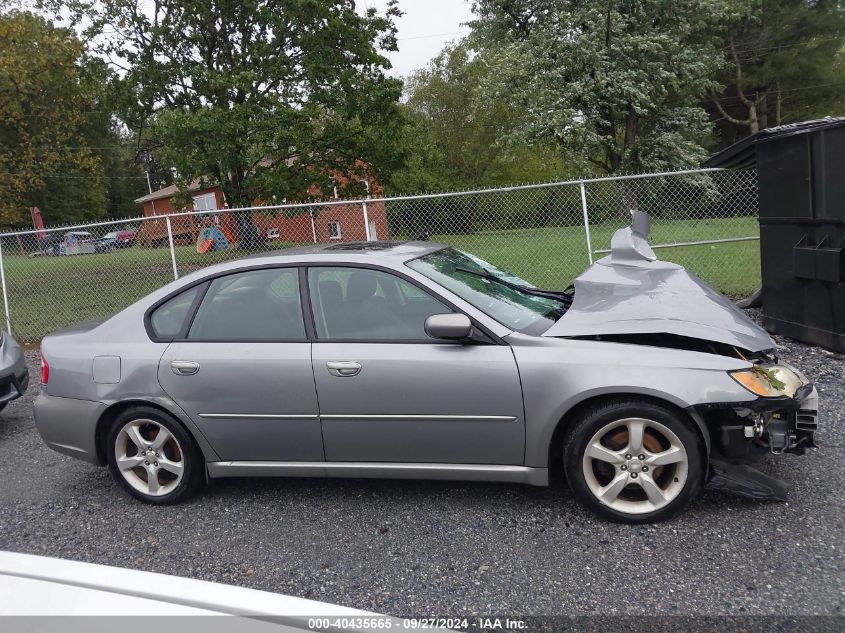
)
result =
(343, 368)
(184, 367)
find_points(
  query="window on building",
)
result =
(272, 234)
(334, 231)
(205, 202)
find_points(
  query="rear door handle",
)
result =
(184, 367)
(343, 368)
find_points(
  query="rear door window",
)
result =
(255, 305)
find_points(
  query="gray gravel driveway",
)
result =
(441, 548)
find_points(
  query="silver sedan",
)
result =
(640, 384)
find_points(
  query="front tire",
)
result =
(634, 461)
(152, 457)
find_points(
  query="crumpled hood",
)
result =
(630, 292)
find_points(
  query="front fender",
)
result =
(557, 378)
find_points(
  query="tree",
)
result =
(784, 61)
(268, 98)
(457, 138)
(123, 165)
(46, 109)
(116, 148)
(618, 81)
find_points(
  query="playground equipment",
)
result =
(211, 238)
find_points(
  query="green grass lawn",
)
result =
(46, 293)
(551, 257)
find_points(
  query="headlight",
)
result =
(768, 382)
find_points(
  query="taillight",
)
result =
(45, 370)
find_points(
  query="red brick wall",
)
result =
(291, 229)
(296, 228)
(153, 233)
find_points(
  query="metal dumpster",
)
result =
(801, 190)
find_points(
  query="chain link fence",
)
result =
(547, 234)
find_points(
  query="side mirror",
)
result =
(448, 326)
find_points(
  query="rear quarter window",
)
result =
(167, 320)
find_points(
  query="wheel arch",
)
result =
(111, 413)
(566, 422)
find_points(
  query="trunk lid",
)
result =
(77, 328)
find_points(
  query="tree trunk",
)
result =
(247, 233)
(753, 123)
(764, 111)
(248, 237)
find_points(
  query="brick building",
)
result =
(341, 222)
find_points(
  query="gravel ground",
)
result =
(440, 548)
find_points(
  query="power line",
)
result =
(782, 46)
(75, 177)
(782, 91)
(80, 147)
(430, 35)
(53, 114)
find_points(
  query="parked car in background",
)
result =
(417, 360)
(78, 243)
(122, 239)
(116, 239)
(71, 243)
(105, 244)
(14, 376)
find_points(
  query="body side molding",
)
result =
(382, 470)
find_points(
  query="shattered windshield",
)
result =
(491, 290)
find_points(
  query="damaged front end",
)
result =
(632, 297)
(783, 419)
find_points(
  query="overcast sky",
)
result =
(424, 29)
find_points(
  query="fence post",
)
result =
(172, 249)
(586, 222)
(366, 220)
(313, 226)
(5, 294)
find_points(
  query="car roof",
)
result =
(341, 251)
(389, 254)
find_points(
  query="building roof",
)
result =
(170, 191)
(742, 153)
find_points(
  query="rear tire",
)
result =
(153, 457)
(634, 461)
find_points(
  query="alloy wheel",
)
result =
(149, 457)
(635, 465)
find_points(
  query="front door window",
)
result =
(360, 304)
